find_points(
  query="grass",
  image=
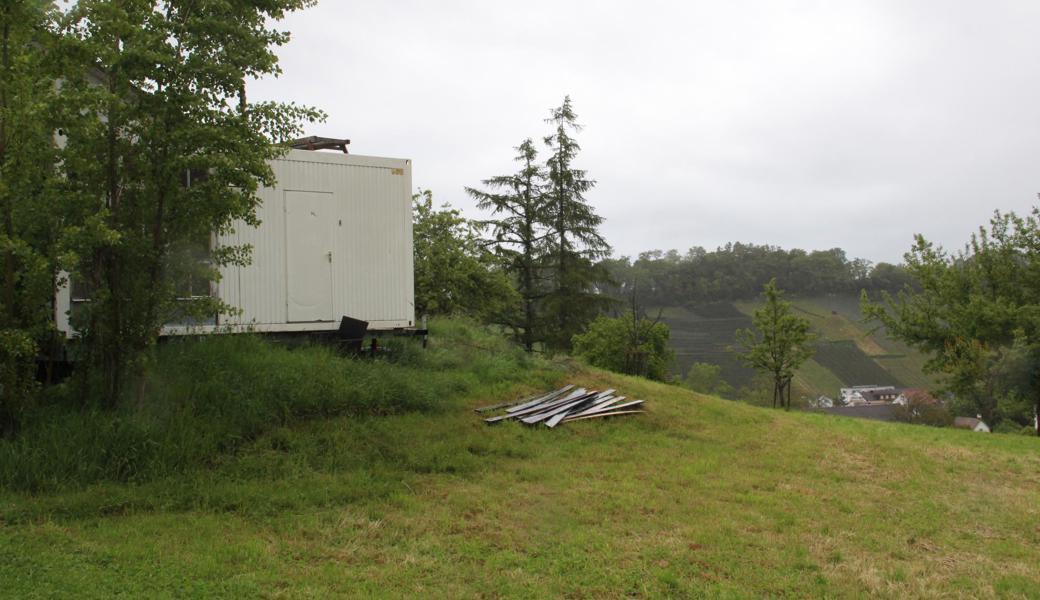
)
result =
(207, 398)
(813, 380)
(699, 497)
(903, 362)
(848, 363)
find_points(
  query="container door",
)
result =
(308, 240)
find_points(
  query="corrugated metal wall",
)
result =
(372, 257)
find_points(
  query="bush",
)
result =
(17, 383)
(626, 345)
(707, 379)
(209, 396)
(923, 409)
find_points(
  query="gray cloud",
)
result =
(803, 123)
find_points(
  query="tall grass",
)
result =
(207, 397)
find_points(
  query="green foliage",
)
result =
(30, 207)
(162, 149)
(779, 344)
(630, 345)
(976, 314)
(454, 274)
(573, 232)
(519, 210)
(760, 391)
(207, 397)
(707, 379)
(922, 408)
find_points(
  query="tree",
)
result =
(707, 379)
(924, 409)
(30, 206)
(780, 343)
(453, 272)
(574, 233)
(628, 344)
(163, 149)
(975, 313)
(518, 204)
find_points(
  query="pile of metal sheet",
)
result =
(563, 406)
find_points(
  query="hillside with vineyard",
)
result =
(849, 351)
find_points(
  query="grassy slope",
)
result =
(699, 497)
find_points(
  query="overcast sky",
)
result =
(812, 124)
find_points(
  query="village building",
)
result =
(974, 424)
(872, 394)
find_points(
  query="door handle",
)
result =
(329, 255)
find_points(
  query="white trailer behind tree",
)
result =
(335, 240)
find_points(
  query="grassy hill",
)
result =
(699, 497)
(850, 352)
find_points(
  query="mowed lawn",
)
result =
(699, 497)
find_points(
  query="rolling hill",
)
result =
(849, 351)
(700, 497)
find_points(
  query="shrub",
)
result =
(924, 409)
(627, 345)
(707, 379)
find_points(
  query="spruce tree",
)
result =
(518, 203)
(575, 241)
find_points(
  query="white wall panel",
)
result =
(372, 267)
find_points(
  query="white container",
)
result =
(335, 240)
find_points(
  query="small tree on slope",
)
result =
(779, 344)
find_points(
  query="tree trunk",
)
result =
(111, 334)
(528, 278)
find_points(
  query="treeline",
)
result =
(738, 271)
